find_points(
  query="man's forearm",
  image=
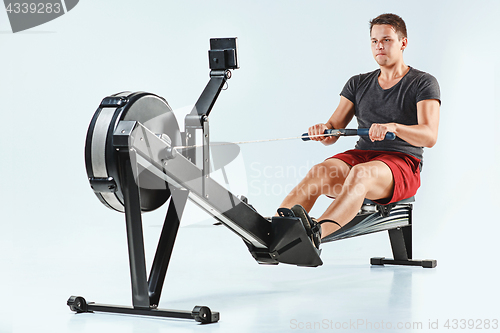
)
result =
(416, 135)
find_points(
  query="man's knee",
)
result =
(329, 170)
(367, 175)
(373, 179)
(364, 173)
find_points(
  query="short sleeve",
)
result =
(349, 90)
(428, 88)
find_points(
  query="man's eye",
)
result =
(387, 40)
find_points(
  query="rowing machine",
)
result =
(135, 163)
(133, 167)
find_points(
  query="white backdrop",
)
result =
(295, 57)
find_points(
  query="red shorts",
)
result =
(405, 170)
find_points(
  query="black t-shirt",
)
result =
(397, 104)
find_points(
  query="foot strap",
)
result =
(285, 212)
(326, 221)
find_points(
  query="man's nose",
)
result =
(380, 45)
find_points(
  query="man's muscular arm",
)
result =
(339, 119)
(422, 135)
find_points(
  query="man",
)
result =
(394, 98)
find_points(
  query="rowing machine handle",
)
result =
(350, 132)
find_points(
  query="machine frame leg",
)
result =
(166, 244)
(401, 243)
(146, 294)
(135, 238)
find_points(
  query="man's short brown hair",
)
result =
(393, 20)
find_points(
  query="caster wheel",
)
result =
(77, 304)
(203, 315)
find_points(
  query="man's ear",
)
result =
(404, 43)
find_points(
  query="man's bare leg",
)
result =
(324, 178)
(372, 180)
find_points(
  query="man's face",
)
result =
(386, 46)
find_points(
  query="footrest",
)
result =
(290, 245)
(428, 263)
